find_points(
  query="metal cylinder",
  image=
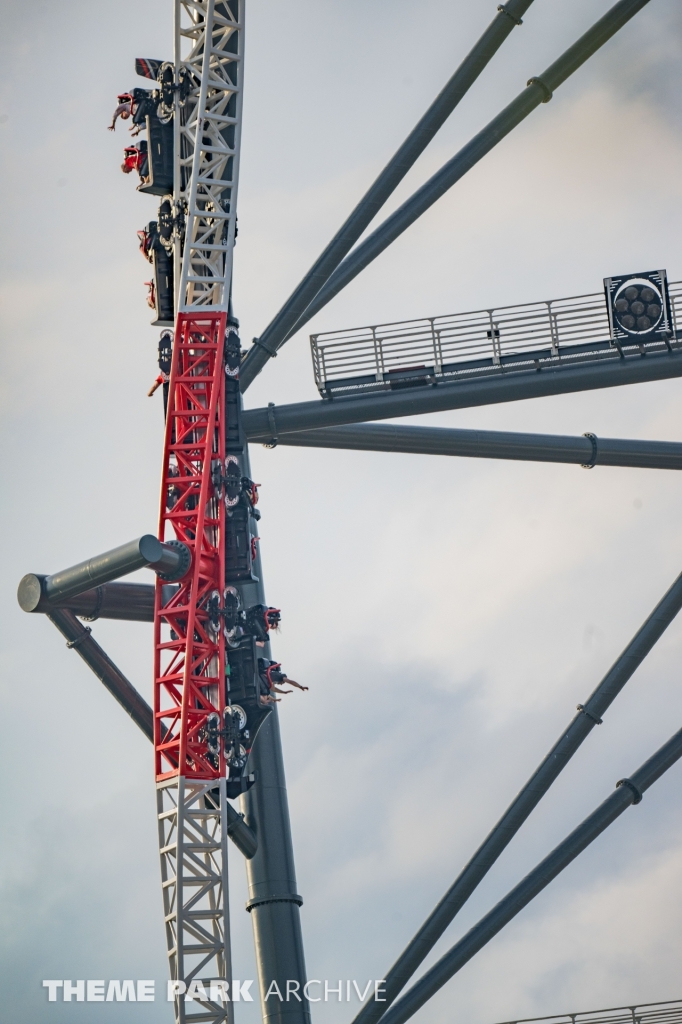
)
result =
(273, 903)
(294, 311)
(512, 387)
(491, 444)
(133, 602)
(240, 833)
(102, 568)
(627, 792)
(538, 90)
(80, 639)
(589, 715)
(170, 561)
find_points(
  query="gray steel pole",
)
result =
(628, 791)
(589, 715)
(169, 560)
(588, 450)
(274, 903)
(471, 67)
(270, 423)
(80, 639)
(539, 90)
(133, 602)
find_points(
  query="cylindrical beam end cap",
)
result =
(30, 592)
(150, 548)
(173, 561)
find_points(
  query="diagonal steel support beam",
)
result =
(539, 90)
(589, 715)
(628, 791)
(271, 423)
(79, 638)
(508, 16)
(588, 450)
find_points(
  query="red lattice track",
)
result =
(189, 661)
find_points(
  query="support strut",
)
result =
(513, 387)
(273, 901)
(589, 715)
(628, 791)
(539, 90)
(169, 561)
(588, 450)
(507, 17)
(80, 639)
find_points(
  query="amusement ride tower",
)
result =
(214, 723)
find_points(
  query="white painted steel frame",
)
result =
(193, 849)
(209, 51)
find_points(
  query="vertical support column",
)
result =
(274, 903)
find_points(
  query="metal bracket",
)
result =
(236, 823)
(583, 710)
(271, 352)
(593, 461)
(99, 601)
(503, 10)
(631, 786)
(541, 85)
(273, 426)
(79, 639)
(277, 898)
(241, 784)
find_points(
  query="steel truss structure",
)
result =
(208, 113)
(189, 641)
(189, 652)
(192, 817)
(213, 726)
(189, 669)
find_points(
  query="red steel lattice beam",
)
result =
(189, 644)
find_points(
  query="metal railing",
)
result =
(486, 341)
(648, 1013)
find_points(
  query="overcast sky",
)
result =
(447, 614)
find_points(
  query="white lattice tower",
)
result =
(209, 44)
(193, 846)
(192, 819)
